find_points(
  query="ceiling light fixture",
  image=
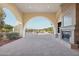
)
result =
(48, 6)
(29, 7)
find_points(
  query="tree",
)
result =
(2, 17)
(7, 28)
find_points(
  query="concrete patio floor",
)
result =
(37, 45)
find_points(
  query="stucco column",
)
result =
(77, 25)
(76, 31)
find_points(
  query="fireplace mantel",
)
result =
(66, 28)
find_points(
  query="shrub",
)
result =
(1, 36)
(13, 36)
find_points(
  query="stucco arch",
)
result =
(14, 10)
(50, 16)
(38, 17)
(16, 13)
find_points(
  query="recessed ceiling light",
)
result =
(48, 7)
(29, 6)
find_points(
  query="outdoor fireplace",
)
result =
(66, 35)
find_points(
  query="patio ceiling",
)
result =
(38, 7)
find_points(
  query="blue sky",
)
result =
(35, 23)
(38, 23)
(10, 18)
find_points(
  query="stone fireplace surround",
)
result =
(68, 29)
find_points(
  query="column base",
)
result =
(74, 46)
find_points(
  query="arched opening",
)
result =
(10, 19)
(8, 22)
(39, 23)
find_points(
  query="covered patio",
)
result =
(63, 41)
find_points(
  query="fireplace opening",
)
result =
(66, 35)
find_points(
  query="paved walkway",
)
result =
(37, 45)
